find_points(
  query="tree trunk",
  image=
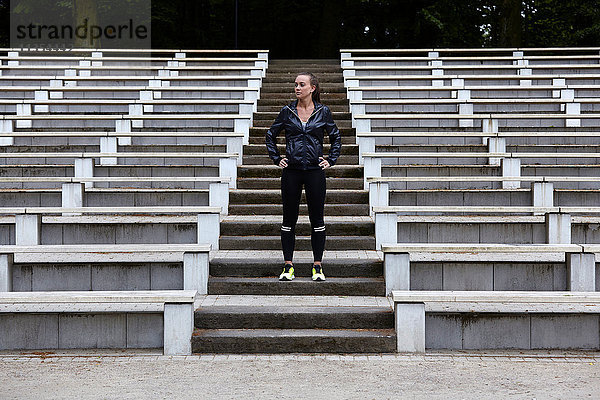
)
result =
(85, 12)
(510, 23)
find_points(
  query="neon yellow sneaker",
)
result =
(317, 273)
(288, 273)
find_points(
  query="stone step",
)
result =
(341, 123)
(337, 196)
(275, 183)
(260, 139)
(281, 89)
(287, 96)
(282, 317)
(260, 149)
(301, 286)
(262, 102)
(272, 266)
(288, 79)
(270, 116)
(265, 160)
(302, 242)
(261, 131)
(342, 108)
(294, 341)
(277, 209)
(273, 171)
(272, 228)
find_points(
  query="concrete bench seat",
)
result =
(488, 266)
(130, 92)
(104, 267)
(63, 225)
(62, 320)
(496, 320)
(125, 106)
(132, 80)
(168, 68)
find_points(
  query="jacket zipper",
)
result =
(304, 130)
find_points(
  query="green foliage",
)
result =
(315, 28)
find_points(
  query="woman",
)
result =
(305, 121)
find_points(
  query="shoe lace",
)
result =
(317, 269)
(287, 268)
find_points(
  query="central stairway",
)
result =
(248, 309)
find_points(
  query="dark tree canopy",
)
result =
(318, 29)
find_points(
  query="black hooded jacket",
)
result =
(304, 146)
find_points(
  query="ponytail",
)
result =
(316, 94)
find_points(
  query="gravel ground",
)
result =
(432, 376)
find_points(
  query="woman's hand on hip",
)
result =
(324, 164)
(283, 163)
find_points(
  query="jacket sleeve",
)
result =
(271, 137)
(335, 137)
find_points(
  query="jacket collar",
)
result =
(294, 107)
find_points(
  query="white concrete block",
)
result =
(56, 95)
(517, 54)
(581, 272)
(496, 145)
(28, 229)
(6, 127)
(489, 125)
(543, 194)
(41, 108)
(136, 109)
(73, 196)
(56, 83)
(573, 123)
(124, 140)
(365, 145)
(6, 267)
(228, 169)
(180, 55)
(218, 196)
(41, 95)
(511, 168)
(146, 95)
(123, 125)
(236, 145)
(458, 82)
(85, 63)
(148, 108)
(396, 271)
(433, 54)
(573, 109)
(70, 72)
(378, 195)
(437, 82)
(209, 230)
(437, 72)
(363, 125)
(436, 63)
(178, 329)
(163, 73)
(372, 169)
(250, 95)
(386, 229)
(137, 123)
(155, 83)
(96, 54)
(195, 272)
(558, 228)
(559, 82)
(23, 109)
(463, 95)
(108, 145)
(85, 72)
(349, 73)
(24, 123)
(84, 168)
(243, 126)
(410, 327)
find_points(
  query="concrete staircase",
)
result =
(250, 259)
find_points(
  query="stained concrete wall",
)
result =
(514, 331)
(73, 331)
(97, 276)
(488, 276)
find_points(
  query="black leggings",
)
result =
(291, 190)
